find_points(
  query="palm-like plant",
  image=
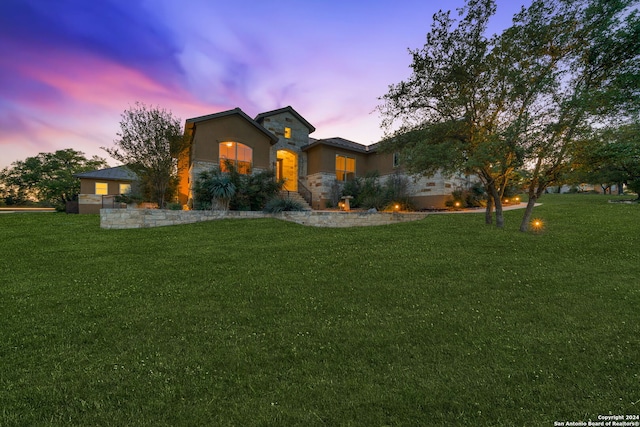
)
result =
(222, 190)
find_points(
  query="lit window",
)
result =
(125, 188)
(239, 155)
(345, 168)
(102, 188)
(287, 133)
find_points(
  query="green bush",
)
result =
(473, 197)
(277, 205)
(368, 192)
(334, 194)
(251, 191)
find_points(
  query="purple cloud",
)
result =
(117, 30)
(70, 67)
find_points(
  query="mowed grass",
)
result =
(440, 322)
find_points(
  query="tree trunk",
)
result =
(524, 225)
(498, 204)
(488, 217)
(499, 214)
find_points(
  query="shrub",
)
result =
(476, 196)
(396, 187)
(368, 192)
(396, 190)
(222, 190)
(251, 191)
(259, 188)
(371, 193)
(351, 188)
(473, 197)
(277, 205)
(335, 193)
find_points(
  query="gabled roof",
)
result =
(372, 148)
(118, 173)
(239, 112)
(288, 109)
(339, 143)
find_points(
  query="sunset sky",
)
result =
(69, 68)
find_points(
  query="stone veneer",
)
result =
(146, 218)
(320, 186)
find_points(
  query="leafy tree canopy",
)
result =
(48, 177)
(149, 143)
(613, 157)
(490, 105)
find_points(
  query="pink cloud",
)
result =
(81, 105)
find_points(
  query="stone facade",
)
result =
(298, 137)
(320, 186)
(286, 156)
(308, 165)
(279, 140)
(147, 218)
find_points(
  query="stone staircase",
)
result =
(294, 195)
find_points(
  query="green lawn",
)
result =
(440, 322)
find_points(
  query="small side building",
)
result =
(98, 189)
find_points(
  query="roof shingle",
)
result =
(118, 173)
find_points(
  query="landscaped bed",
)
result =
(441, 322)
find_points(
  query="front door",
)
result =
(287, 169)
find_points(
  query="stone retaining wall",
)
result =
(146, 218)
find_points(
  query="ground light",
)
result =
(537, 224)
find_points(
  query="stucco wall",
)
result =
(146, 218)
(88, 185)
(209, 134)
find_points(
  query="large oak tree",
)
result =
(596, 81)
(523, 99)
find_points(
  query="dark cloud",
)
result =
(120, 31)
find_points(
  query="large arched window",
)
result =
(239, 155)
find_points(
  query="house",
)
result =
(99, 188)
(276, 140)
(279, 140)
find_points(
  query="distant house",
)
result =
(279, 140)
(99, 188)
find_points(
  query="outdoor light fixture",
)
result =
(457, 204)
(537, 224)
(397, 207)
